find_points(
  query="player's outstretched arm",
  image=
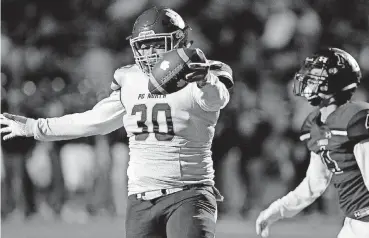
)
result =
(211, 93)
(105, 117)
(314, 184)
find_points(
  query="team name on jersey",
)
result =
(150, 95)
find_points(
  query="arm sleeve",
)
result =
(306, 126)
(213, 96)
(105, 117)
(361, 152)
(314, 184)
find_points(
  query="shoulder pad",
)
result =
(306, 126)
(223, 72)
(119, 74)
(358, 126)
(351, 108)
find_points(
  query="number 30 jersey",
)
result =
(170, 136)
(338, 141)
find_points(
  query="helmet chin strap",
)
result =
(322, 100)
(329, 99)
(326, 99)
(326, 104)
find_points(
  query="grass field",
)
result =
(301, 227)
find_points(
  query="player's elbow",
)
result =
(224, 98)
(218, 100)
(319, 186)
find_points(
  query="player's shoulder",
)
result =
(121, 74)
(223, 72)
(358, 121)
(308, 122)
(353, 107)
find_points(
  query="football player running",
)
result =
(337, 135)
(171, 189)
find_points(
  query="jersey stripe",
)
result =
(305, 136)
(339, 133)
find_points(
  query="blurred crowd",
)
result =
(59, 57)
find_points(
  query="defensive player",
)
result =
(170, 173)
(337, 134)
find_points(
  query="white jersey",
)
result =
(170, 136)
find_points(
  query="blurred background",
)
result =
(59, 57)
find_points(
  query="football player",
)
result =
(170, 174)
(337, 135)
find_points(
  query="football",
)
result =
(168, 74)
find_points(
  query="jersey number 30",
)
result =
(161, 136)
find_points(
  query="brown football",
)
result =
(168, 74)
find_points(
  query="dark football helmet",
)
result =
(327, 74)
(162, 27)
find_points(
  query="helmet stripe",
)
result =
(350, 86)
(339, 133)
(305, 136)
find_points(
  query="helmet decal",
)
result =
(175, 18)
(344, 56)
(323, 59)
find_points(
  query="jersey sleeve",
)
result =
(211, 97)
(119, 76)
(214, 94)
(224, 73)
(306, 126)
(358, 126)
(105, 117)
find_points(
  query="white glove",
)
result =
(199, 72)
(267, 218)
(16, 126)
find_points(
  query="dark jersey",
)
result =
(334, 141)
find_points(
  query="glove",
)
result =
(16, 126)
(199, 72)
(267, 218)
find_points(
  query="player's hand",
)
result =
(199, 71)
(15, 126)
(265, 219)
